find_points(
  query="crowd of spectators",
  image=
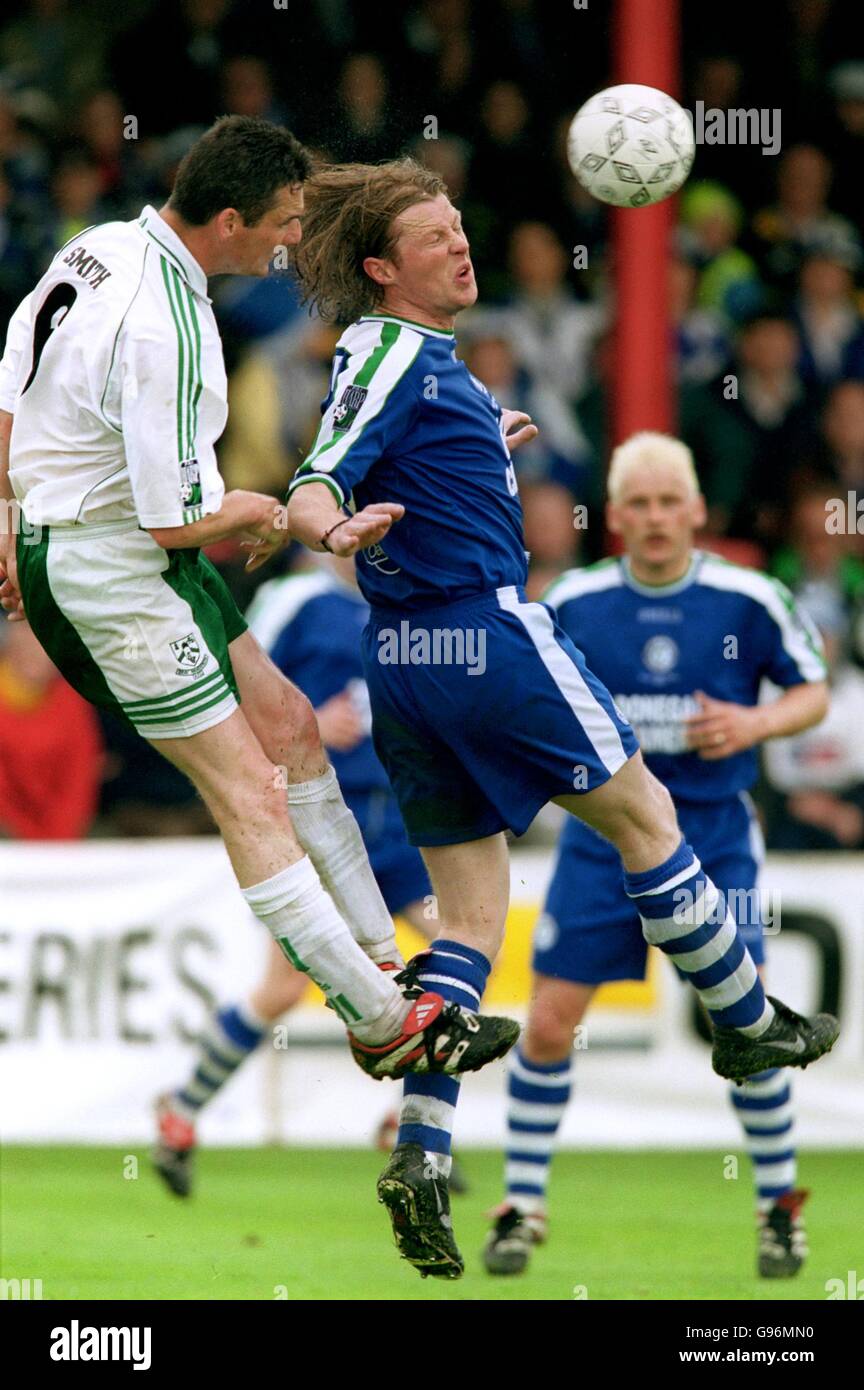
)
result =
(99, 102)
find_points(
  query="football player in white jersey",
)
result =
(113, 394)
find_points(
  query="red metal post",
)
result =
(646, 49)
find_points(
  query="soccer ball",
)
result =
(631, 145)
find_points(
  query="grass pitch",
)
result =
(305, 1224)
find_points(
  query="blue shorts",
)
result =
(397, 866)
(589, 931)
(479, 742)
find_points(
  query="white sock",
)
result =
(331, 837)
(303, 920)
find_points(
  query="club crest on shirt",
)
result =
(377, 557)
(660, 654)
(188, 655)
(190, 483)
(346, 411)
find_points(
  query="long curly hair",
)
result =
(350, 211)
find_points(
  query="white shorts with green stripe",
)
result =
(135, 629)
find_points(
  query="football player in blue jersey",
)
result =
(483, 709)
(684, 640)
(310, 624)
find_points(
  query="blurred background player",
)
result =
(684, 640)
(310, 623)
(477, 743)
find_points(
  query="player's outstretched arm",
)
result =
(241, 514)
(316, 519)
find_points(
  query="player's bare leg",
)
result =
(238, 783)
(323, 824)
(394, 1027)
(472, 891)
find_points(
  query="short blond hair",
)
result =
(650, 449)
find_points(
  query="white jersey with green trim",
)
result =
(113, 371)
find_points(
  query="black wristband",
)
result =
(323, 540)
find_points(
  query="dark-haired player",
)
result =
(114, 386)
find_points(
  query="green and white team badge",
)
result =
(346, 411)
(190, 490)
(188, 655)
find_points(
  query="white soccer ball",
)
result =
(631, 145)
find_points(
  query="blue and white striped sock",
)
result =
(764, 1106)
(229, 1038)
(681, 913)
(538, 1093)
(429, 1102)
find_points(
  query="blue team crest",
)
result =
(377, 556)
(660, 654)
(345, 412)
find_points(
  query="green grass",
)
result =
(625, 1225)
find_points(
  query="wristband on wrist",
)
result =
(323, 539)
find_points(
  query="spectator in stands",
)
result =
(846, 136)
(167, 67)
(77, 193)
(553, 470)
(50, 747)
(830, 327)
(560, 453)
(19, 266)
(717, 80)
(443, 62)
(753, 430)
(275, 406)
(505, 158)
(701, 343)
(816, 779)
(55, 47)
(102, 132)
(843, 429)
(551, 331)
(362, 126)
(728, 281)
(26, 168)
(800, 220)
(824, 569)
(247, 90)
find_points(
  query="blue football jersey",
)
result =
(721, 629)
(405, 421)
(311, 624)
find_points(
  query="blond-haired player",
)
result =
(683, 640)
